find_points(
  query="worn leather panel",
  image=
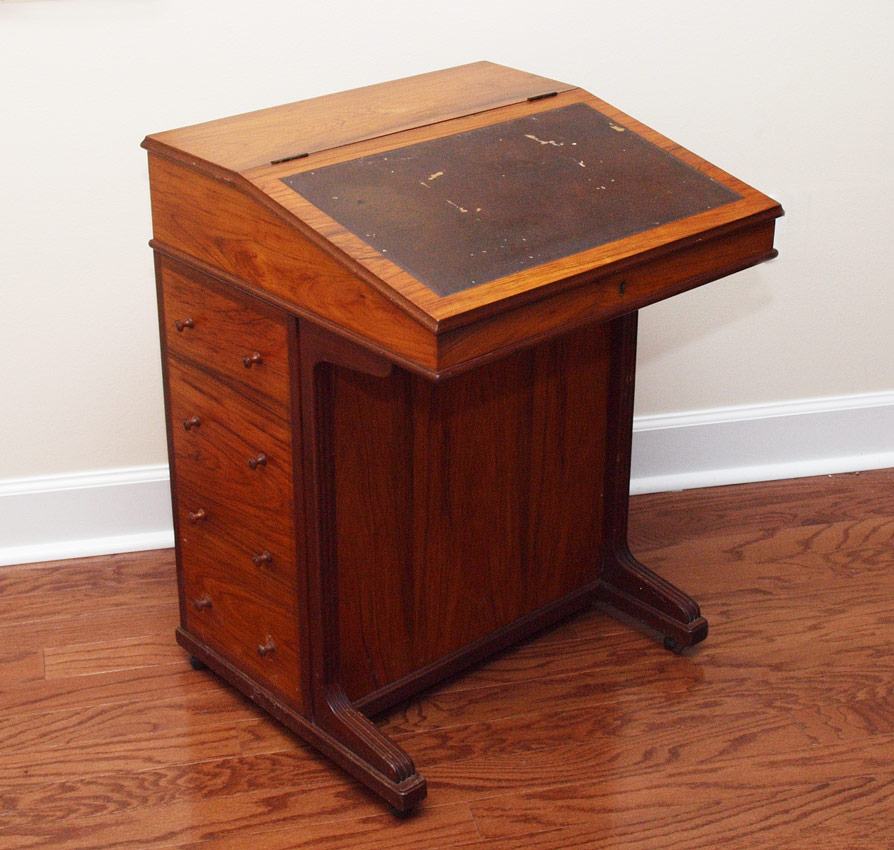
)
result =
(465, 209)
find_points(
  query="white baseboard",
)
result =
(736, 445)
(125, 510)
(53, 517)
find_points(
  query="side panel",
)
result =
(465, 505)
(240, 560)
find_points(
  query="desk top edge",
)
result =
(261, 137)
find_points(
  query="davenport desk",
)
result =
(399, 332)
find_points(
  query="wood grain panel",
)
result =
(604, 298)
(221, 332)
(232, 231)
(256, 138)
(442, 498)
(544, 279)
(21, 665)
(236, 531)
(247, 611)
(213, 457)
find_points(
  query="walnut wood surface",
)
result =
(465, 505)
(227, 231)
(222, 333)
(257, 138)
(540, 280)
(775, 733)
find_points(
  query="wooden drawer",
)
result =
(222, 334)
(246, 535)
(251, 622)
(235, 452)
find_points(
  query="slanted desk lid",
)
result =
(286, 132)
(466, 209)
(486, 209)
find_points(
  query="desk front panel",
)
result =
(465, 505)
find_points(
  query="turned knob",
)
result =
(267, 648)
(255, 462)
(192, 422)
(185, 323)
(252, 359)
(195, 516)
(202, 602)
(262, 558)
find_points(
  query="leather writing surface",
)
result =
(466, 209)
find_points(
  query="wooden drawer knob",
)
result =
(192, 422)
(255, 462)
(202, 602)
(262, 558)
(197, 516)
(267, 648)
(182, 324)
(253, 359)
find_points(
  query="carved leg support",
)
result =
(627, 586)
(624, 583)
(356, 743)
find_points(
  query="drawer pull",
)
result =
(262, 558)
(202, 602)
(253, 359)
(185, 323)
(196, 516)
(192, 422)
(255, 462)
(267, 648)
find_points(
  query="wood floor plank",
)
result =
(784, 793)
(131, 653)
(105, 572)
(21, 665)
(439, 826)
(120, 686)
(30, 608)
(664, 519)
(216, 705)
(115, 624)
(200, 818)
(135, 753)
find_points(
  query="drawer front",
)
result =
(229, 449)
(245, 535)
(251, 622)
(223, 335)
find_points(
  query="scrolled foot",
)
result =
(196, 663)
(629, 587)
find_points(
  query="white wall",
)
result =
(794, 98)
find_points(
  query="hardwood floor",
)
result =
(777, 731)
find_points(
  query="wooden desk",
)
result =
(398, 329)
